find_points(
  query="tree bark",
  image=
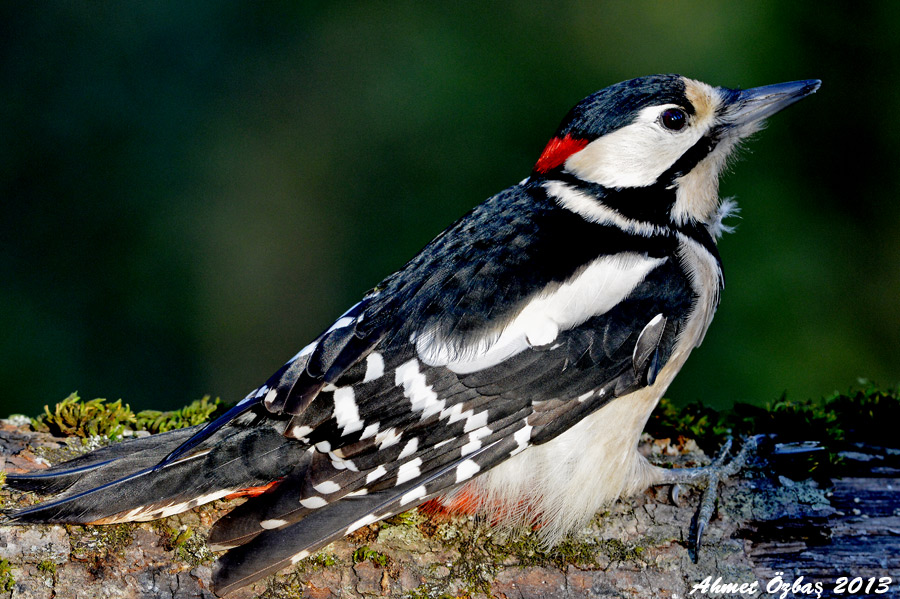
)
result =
(768, 531)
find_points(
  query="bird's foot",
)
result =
(708, 477)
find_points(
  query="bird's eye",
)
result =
(673, 119)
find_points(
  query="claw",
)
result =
(675, 494)
(696, 539)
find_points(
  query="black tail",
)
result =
(123, 482)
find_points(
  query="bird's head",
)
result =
(651, 149)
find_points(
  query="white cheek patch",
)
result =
(635, 155)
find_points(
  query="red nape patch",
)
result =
(253, 491)
(557, 151)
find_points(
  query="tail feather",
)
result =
(128, 485)
(103, 465)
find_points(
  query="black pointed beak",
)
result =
(750, 106)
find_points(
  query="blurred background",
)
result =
(189, 192)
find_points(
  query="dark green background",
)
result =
(191, 191)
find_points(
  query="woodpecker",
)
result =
(508, 368)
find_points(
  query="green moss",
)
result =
(72, 416)
(322, 560)
(188, 547)
(76, 417)
(365, 553)
(98, 543)
(619, 551)
(47, 567)
(196, 412)
(431, 591)
(7, 582)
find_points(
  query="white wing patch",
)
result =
(596, 289)
(388, 437)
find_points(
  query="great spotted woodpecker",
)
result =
(509, 367)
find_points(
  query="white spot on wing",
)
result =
(346, 411)
(388, 437)
(364, 521)
(374, 367)
(271, 524)
(375, 474)
(410, 448)
(313, 503)
(416, 389)
(474, 443)
(341, 464)
(369, 431)
(522, 437)
(454, 412)
(298, 557)
(152, 512)
(477, 421)
(270, 397)
(466, 470)
(300, 432)
(408, 471)
(417, 493)
(327, 487)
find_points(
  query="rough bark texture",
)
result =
(767, 528)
